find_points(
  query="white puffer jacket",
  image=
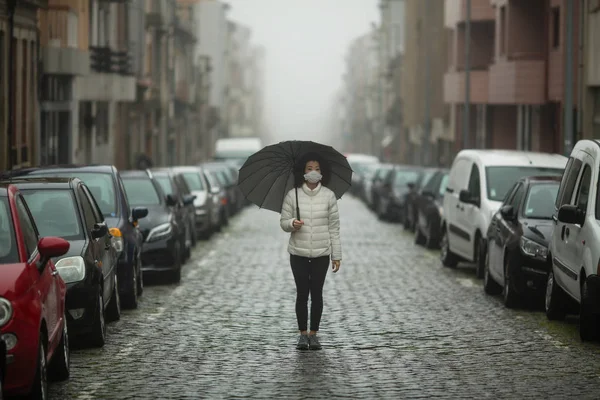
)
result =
(320, 234)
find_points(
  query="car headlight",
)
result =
(200, 211)
(533, 249)
(441, 211)
(6, 311)
(162, 231)
(71, 269)
(116, 239)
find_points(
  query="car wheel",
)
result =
(407, 223)
(420, 239)
(430, 241)
(555, 299)
(479, 253)
(489, 284)
(39, 390)
(113, 311)
(381, 211)
(510, 296)
(98, 336)
(588, 321)
(61, 362)
(448, 258)
(130, 300)
(140, 277)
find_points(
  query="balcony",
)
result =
(185, 30)
(519, 79)
(63, 51)
(106, 60)
(456, 12)
(454, 86)
(155, 14)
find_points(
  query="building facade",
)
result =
(589, 124)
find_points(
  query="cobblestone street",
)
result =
(396, 324)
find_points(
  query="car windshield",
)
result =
(8, 250)
(141, 192)
(443, 184)
(426, 177)
(501, 179)
(165, 184)
(54, 212)
(403, 178)
(540, 200)
(382, 172)
(193, 181)
(102, 187)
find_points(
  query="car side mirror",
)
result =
(465, 197)
(508, 212)
(138, 213)
(569, 214)
(50, 247)
(215, 190)
(189, 199)
(171, 200)
(99, 230)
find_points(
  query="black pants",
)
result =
(309, 274)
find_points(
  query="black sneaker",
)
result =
(302, 343)
(313, 342)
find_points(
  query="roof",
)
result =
(361, 158)
(186, 168)
(45, 183)
(135, 173)
(57, 168)
(515, 158)
(541, 179)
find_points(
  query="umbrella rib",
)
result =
(258, 184)
(256, 172)
(252, 162)
(341, 177)
(271, 187)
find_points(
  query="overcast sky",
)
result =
(306, 41)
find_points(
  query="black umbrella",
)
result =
(268, 175)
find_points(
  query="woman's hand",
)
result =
(335, 265)
(297, 224)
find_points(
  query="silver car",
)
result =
(204, 203)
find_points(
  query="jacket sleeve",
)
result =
(287, 214)
(334, 229)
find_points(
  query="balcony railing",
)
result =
(58, 26)
(106, 60)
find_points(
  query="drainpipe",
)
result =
(568, 105)
(467, 111)
(427, 137)
(11, 5)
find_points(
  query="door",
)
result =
(559, 247)
(497, 242)
(573, 235)
(508, 229)
(452, 208)
(46, 283)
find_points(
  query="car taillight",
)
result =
(224, 201)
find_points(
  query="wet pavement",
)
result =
(396, 324)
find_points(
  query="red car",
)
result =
(32, 301)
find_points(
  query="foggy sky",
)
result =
(306, 42)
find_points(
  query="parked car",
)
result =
(229, 183)
(104, 182)
(164, 234)
(64, 207)
(479, 181)
(518, 237)
(377, 186)
(203, 204)
(430, 210)
(181, 200)
(367, 182)
(220, 215)
(411, 207)
(392, 201)
(358, 163)
(32, 301)
(573, 284)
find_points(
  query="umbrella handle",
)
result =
(297, 206)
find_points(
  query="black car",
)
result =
(412, 196)
(2, 366)
(391, 204)
(164, 236)
(518, 237)
(219, 199)
(104, 182)
(377, 185)
(180, 199)
(430, 210)
(64, 207)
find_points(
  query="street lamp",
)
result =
(11, 9)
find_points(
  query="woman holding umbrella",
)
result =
(314, 240)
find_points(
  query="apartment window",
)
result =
(555, 27)
(101, 123)
(502, 32)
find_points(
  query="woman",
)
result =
(315, 238)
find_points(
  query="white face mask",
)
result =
(313, 177)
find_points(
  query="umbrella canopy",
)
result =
(268, 175)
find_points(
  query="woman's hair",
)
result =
(301, 166)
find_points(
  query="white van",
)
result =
(236, 150)
(575, 245)
(478, 182)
